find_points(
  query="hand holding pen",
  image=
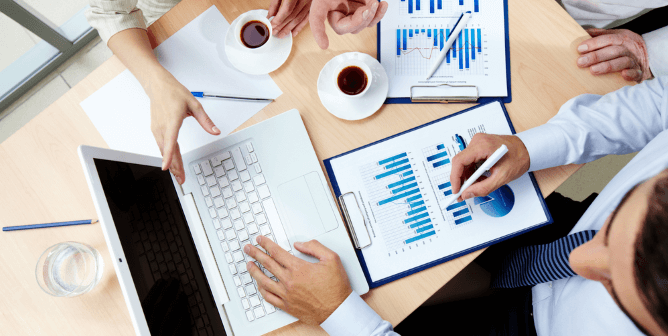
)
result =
(510, 167)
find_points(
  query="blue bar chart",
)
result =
(396, 198)
(437, 156)
(439, 7)
(418, 48)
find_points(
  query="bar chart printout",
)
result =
(414, 32)
(399, 202)
(401, 182)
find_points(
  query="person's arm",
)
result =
(657, 50)
(586, 128)
(121, 25)
(315, 293)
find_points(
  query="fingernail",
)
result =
(597, 68)
(639, 73)
(298, 244)
(246, 248)
(468, 195)
(258, 238)
(164, 165)
(583, 47)
(249, 264)
(365, 14)
(179, 179)
(375, 5)
(583, 60)
(215, 129)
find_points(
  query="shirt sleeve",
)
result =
(112, 16)
(657, 51)
(590, 126)
(355, 318)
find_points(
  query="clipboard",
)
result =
(446, 96)
(359, 230)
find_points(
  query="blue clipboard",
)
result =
(418, 268)
(481, 100)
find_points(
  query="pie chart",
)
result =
(498, 203)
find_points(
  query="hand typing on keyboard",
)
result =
(308, 291)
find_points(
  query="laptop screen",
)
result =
(167, 273)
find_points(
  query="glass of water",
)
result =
(69, 269)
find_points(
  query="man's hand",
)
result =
(308, 291)
(345, 16)
(289, 16)
(615, 50)
(511, 166)
(171, 102)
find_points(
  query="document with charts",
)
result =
(413, 32)
(401, 183)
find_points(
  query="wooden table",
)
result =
(43, 181)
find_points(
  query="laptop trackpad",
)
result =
(308, 209)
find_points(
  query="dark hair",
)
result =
(651, 259)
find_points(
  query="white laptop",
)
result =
(177, 250)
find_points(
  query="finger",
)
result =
(317, 18)
(295, 12)
(287, 29)
(264, 281)
(202, 118)
(300, 27)
(266, 261)
(632, 75)
(273, 299)
(615, 65)
(484, 187)
(170, 136)
(316, 249)
(284, 11)
(463, 161)
(273, 8)
(177, 165)
(602, 55)
(599, 42)
(379, 14)
(350, 23)
(593, 32)
(277, 253)
(368, 17)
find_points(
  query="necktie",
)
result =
(534, 264)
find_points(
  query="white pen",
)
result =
(487, 165)
(455, 33)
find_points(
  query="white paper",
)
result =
(195, 55)
(408, 63)
(395, 245)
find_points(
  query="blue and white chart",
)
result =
(413, 32)
(400, 184)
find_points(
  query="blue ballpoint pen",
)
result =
(48, 225)
(200, 94)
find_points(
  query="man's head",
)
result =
(629, 255)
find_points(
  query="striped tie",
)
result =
(531, 265)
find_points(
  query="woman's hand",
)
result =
(171, 102)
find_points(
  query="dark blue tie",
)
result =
(531, 265)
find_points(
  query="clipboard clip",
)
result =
(439, 93)
(355, 222)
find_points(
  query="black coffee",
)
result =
(254, 34)
(352, 80)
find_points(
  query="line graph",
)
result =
(417, 48)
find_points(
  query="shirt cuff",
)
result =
(546, 146)
(108, 24)
(657, 51)
(352, 318)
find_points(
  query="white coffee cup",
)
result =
(353, 60)
(252, 16)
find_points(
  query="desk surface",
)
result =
(43, 181)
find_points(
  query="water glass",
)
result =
(69, 269)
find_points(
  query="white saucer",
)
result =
(257, 63)
(350, 108)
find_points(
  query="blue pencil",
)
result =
(48, 225)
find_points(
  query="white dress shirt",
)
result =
(634, 118)
(612, 13)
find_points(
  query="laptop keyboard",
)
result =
(241, 208)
